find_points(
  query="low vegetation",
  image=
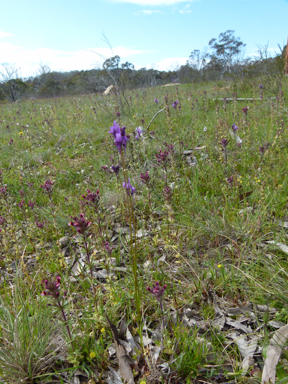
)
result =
(143, 234)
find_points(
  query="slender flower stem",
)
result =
(133, 247)
(67, 326)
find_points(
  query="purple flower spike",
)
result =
(120, 136)
(51, 288)
(156, 101)
(234, 127)
(40, 224)
(129, 188)
(47, 186)
(116, 169)
(157, 291)
(145, 178)
(174, 105)
(245, 110)
(261, 86)
(139, 131)
(224, 142)
(80, 224)
(92, 198)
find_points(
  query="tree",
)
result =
(198, 60)
(227, 50)
(12, 86)
(112, 63)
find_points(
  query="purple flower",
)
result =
(51, 288)
(234, 127)
(92, 198)
(157, 291)
(21, 204)
(145, 178)
(167, 193)
(139, 133)
(108, 248)
(47, 186)
(105, 169)
(116, 169)
(261, 86)
(40, 224)
(129, 187)
(162, 157)
(230, 180)
(224, 142)
(262, 150)
(80, 224)
(2, 220)
(174, 105)
(245, 110)
(156, 101)
(31, 204)
(120, 136)
(170, 147)
(114, 129)
(3, 190)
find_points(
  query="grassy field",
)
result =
(85, 230)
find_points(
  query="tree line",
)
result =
(224, 60)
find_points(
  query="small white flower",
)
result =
(205, 129)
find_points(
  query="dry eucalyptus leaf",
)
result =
(281, 246)
(274, 351)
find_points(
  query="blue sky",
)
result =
(160, 34)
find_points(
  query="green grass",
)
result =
(206, 240)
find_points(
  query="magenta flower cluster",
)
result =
(51, 288)
(157, 291)
(120, 136)
(47, 186)
(224, 142)
(92, 198)
(80, 224)
(145, 178)
(162, 157)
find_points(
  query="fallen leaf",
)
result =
(273, 354)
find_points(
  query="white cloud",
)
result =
(57, 60)
(168, 64)
(185, 11)
(5, 34)
(149, 11)
(153, 2)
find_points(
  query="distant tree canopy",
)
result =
(224, 58)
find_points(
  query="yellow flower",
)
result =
(103, 330)
(219, 265)
(20, 133)
(92, 355)
(134, 117)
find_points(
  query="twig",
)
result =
(161, 110)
